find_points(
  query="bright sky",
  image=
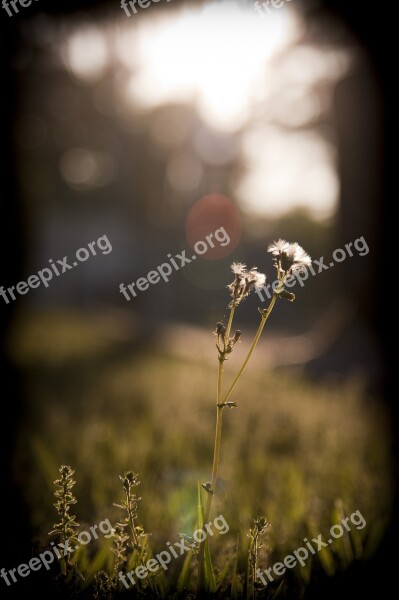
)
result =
(242, 72)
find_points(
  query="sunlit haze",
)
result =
(245, 75)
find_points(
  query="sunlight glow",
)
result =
(287, 169)
(259, 86)
(214, 56)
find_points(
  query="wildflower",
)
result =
(238, 268)
(256, 280)
(289, 258)
(301, 259)
(244, 282)
(278, 247)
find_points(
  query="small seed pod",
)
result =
(207, 487)
(220, 328)
(287, 295)
(237, 336)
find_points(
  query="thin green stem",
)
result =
(219, 414)
(217, 445)
(215, 467)
(131, 518)
(219, 418)
(230, 322)
(218, 440)
(253, 345)
(216, 456)
(65, 534)
(219, 381)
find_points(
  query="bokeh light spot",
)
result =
(83, 169)
(211, 213)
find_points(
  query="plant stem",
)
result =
(230, 322)
(219, 419)
(131, 518)
(215, 466)
(253, 345)
(216, 455)
(217, 444)
(65, 535)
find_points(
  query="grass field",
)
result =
(301, 453)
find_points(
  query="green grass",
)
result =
(289, 452)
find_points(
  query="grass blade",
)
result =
(209, 574)
(184, 575)
(234, 579)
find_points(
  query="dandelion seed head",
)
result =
(256, 279)
(301, 259)
(289, 257)
(278, 247)
(238, 268)
(245, 282)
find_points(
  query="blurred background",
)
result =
(155, 130)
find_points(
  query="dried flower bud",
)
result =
(207, 487)
(220, 328)
(287, 295)
(237, 336)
